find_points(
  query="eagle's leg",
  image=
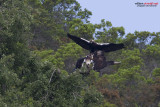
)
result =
(100, 73)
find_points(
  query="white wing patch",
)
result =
(85, 40)
(103, 43)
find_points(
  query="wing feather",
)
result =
(109, 47)
(80, 41)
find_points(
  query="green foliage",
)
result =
(107, 33)
(64, 54)
(15, 33)
(156, 72)
(152, 51)
(127, 77)
(92, 98)
(8, 79)
(78, 27)
(131, 58)
(93, 77)
(107, 104)
(46, 55)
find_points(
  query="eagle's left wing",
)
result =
(80, 41)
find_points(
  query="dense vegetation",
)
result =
(37, 59)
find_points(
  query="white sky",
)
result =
(125, 13)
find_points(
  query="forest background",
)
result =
(37, 59)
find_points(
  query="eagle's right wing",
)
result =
(109, 47)
(80, 41)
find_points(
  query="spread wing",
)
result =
(80, 41)
(108, 47)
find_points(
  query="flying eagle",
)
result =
(96, 56)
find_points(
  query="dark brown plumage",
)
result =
(100, 61)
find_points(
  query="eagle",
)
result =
(97, 50)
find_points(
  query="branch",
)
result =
(46, 96)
